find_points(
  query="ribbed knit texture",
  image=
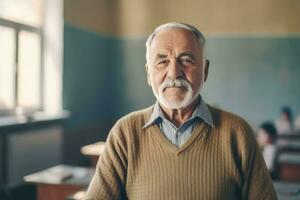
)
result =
(215, 163)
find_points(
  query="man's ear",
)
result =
(148, 75)
(206, 69)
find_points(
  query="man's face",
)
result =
(175, 54)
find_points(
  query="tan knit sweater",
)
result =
(223, 162)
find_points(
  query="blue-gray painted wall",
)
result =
(92, 77)
(254, 77)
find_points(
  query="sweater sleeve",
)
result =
(256, 180)
(109, 179)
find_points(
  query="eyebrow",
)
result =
(159, 56)
(186, 53)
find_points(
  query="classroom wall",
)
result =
(213, 17)
(92, 88)
(253, 48)
(254, 76)
(99, 16)
(132, 18)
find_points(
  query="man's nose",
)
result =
(175, 70)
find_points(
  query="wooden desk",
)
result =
(289, 164)
(93, 151)
(58, 182)
(287, 191)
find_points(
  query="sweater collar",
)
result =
(201, 111)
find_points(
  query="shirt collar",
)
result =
(201, 111)
(156, 115)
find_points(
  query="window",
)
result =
(21, 53)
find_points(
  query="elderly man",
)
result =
(180, 148)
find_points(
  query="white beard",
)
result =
(179, 104)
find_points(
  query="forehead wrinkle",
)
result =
(163, 41)
(163, 46)
(162, 51)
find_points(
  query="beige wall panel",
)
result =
(95, 15)
(218, 17)
(139, 17)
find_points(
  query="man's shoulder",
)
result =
(130, 124)
(233, 127)
(223, 118)
(136, 118)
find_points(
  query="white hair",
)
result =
(194, 30)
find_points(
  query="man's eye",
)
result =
(162, 63)
(186, 61)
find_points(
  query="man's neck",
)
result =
(179, 116)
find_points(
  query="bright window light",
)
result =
(31, 50)
(22, 11)
(7, 67)
(29, 70)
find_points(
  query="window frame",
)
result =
(17, 28)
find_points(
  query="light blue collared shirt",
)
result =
(180, 135)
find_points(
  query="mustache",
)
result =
(174, 83)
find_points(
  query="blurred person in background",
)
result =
(266, 137)
(297, 123)
(284, 124)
